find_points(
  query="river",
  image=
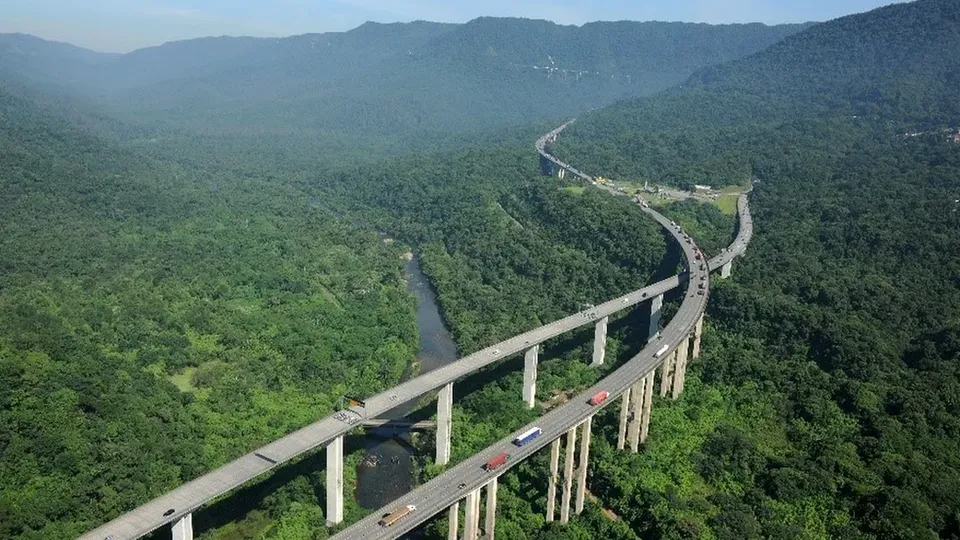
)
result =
(386, 472)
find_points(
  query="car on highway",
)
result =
(169, 512)
(527, 436)
(496, 461)
(599, 397)
(397, 515)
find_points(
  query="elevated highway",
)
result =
(175, 507)
(464, 481)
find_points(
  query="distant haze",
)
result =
(124, 25)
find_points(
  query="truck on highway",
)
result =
(661, 351)
(397, 515)
(527, 436)
(497, 461)
(599, 397)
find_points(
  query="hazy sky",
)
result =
(122, 25)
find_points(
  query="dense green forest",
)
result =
(184, 315)
(174, 297)
(825, 404)
(161, 320)
(893, 70)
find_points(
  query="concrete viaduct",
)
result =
(670, 350)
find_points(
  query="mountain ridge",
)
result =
(382, 78)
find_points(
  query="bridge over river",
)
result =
(668, 351)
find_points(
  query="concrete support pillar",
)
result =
(697, 331)
(726, 269)
(491, 521)
(530, 361)
(624, 412)
(647, 406)
(182, 529)
(453, 529)
(680, 368)
(568, 475)
(444, 424)
(600, 341)
(637, 393)
(665, 374)
(552, 482)
(655, 306)
(471, 521)
(584, 461)
(335, 481)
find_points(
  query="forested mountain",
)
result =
(160, 320)
(899, 64)
(42, 62)
(165, 316)
(175, 300)
(412, 77)
(826, 401)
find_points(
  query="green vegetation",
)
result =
(495, 278)
(824, 406)
(890, 71)
(727, 204)
(175, 300)
(120, 274)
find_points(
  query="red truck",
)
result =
(497, 461)
(599, 397)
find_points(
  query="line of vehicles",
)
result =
(492, 464)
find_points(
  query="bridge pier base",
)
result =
(444, 424)
(637, 395)
(726, 269)
(568, 475)
(335, 481)
(665, 377)
(182, 529)
(530, 361)
(490, 523)
(647, 406)
(624, 412)
(584, 461)
(600, 341)
(697, 331)
(453, 518)
(471, 522)
(655, 307)
(552, 482)
(680, 368)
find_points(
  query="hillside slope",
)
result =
(161, 320)
(899, 65)
(826, 403)
(412, 77)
